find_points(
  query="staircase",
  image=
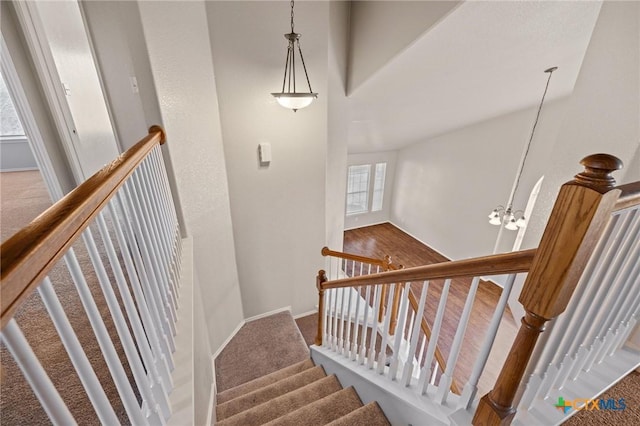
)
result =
(301, 394)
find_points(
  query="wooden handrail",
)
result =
(348, 256)
(496, 264)
(427, 331)
(629, 196)
(28, 256)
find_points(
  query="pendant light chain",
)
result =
(292, 17)
(533, 130)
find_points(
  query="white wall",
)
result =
(176, 34)
(278, 211)
(380, 30)
(19, 54)
(602, 114)
(445, 187)
(338, 118)
(95, 144)
(370, 218)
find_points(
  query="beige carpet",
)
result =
(629, 389)
(23, 198)
(260, 347)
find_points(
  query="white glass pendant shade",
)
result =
(295, 101)
(495, 220)
(521, 222)
(494, 213)
(511, 225)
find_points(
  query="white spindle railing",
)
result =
(355, 328)
(599, 318)
(138, 252)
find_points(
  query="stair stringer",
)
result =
(400, 404)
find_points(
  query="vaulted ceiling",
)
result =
(427, 68)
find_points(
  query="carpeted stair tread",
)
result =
(369, 415)
(260, 382)
(274, 390)
(284, 404)
(322, 411)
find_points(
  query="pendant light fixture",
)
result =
(292, 99)
(501, 215)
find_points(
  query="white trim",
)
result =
(372, 224)
(35, 36)
(19, 169)
(29, 124)
(305, 314)
(212, 395)
(267, 314)
(227, 340)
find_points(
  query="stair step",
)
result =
(322, 411)
(369, 415)
(285, 404)
(274, 390)
(260, 382)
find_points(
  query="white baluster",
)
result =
(37, 377)
(447, 377)
(334, 341)
(471, 387)
(151, 264)
(399, 331)
(149, 286)
(77, 355)
(425, 373)
(421, 352)
(348, 323)
(382, 356)
(104, 341)
(374, 329)
(365, 325)
(156, 371)
(354, 346)
(154, 244)
(128, 345)
(415, 335)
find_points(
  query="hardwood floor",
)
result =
(385, 239)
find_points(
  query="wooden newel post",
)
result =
(321, 279)
(386, 266)
(579, 217)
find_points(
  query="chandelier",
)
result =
(292, 99)
(501, 215)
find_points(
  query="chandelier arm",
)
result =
(304, 67)
(293, 62)
(286, 67)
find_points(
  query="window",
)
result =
(358, 189)
(363, 193)
(378, 187)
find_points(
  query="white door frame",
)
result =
(28, 121)
(35, 36)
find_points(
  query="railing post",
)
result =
(579, 217)
(321, 279)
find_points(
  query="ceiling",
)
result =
(479, 61)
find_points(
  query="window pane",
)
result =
(378, 187)
(358, 189)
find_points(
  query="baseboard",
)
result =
(212, 395)
(304, 314)
(228, 339)
(414, 237)
(19, 169)
(267, 314)
(368, 224)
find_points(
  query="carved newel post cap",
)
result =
(597, 171)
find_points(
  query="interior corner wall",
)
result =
(21, 58)
(338, 119)
(176, 35)
(445, 187)
(278, 210)
(371, 218)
